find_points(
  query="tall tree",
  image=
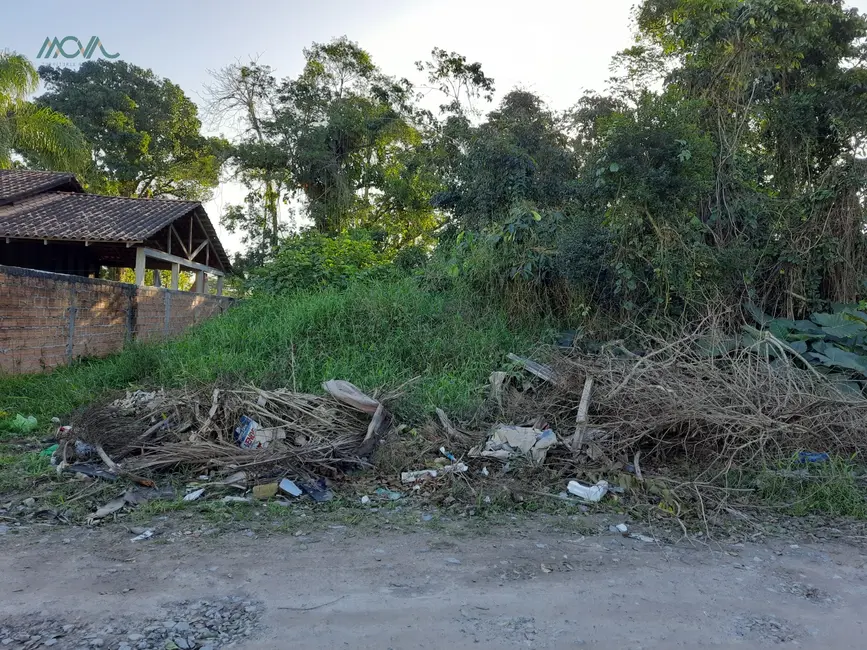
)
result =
(519, 154)
(42, 137)
(347, 128)
(145, 131)
(244, 96)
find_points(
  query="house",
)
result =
(48, 222)
(56, 242)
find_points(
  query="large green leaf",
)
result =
(838, 325)
(855, 314)
(830, 355)
(758, 315)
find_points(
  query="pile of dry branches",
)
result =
(306, 434)
(738, 408)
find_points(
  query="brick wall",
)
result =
(49, 319)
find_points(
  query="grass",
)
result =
(835, 487)
(377, 335)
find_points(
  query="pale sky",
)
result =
(556, 48)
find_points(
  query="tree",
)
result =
(349, 133)
(520, 154)
(245, 95)
(462, 83)
(145, 132)
(42, 137)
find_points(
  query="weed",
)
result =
(830, 488)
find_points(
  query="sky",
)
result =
(556, 48)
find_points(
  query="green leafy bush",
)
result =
(835, 342)
(311, 260)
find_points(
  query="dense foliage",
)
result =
(723, 165)
(144, 132)
(36, 135)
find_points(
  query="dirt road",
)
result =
(342, 588)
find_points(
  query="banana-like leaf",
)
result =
(838, 325)
(830, 355)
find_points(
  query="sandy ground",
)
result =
(343, 588)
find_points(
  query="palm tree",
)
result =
(41, 136)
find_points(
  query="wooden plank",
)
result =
(180, 241)
(174, 259)
(200, 282)
(219, 285)
(176, 271)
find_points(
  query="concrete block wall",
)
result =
(49, 319)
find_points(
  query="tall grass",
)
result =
(376, 335)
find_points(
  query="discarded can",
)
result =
(592, 493)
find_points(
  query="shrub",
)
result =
(311, 260)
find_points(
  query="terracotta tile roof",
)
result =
(16, 184)
(80, 217)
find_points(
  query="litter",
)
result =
(245, 434)
(350, 394)
(106, 510)
(92, 471)
(48, 451)
(318, 491)
(641, 538)
(508, 441)
(390, 494)
(236, 480)
(195, 494)
(485, 471)
(21, 424)
(417, 475)
(265, 491)
(422, 474)
(235, 499)
(289, 487)
(448, 455)
(540, 370)
(145, 535)
(592, 493)
(137, 495)
(813, 457)
(365, 500)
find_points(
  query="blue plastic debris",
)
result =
(813, 457)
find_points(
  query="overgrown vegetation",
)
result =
(720, 174)
(377, 335)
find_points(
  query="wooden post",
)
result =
(139, 267)
(219, 285)
(581, 418)
(158, 281)
(200, 282)
(176, 271)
